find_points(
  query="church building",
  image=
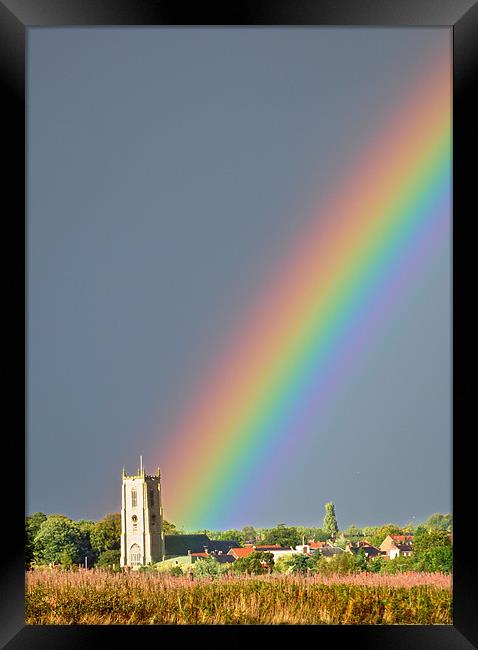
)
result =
(142, 535)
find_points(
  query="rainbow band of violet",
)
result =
(264, 392)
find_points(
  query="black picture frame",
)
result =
(16, 16)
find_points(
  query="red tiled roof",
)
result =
(241, 552)
(401, 538)
(200, 554)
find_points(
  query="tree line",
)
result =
(57, 539)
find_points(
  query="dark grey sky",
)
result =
(168, 171)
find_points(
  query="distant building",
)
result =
(312, 547)
(369, 550)
(397, 546)
(142, 536)
(181, 545)
(222, 546)
(240, 551)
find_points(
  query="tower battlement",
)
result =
(141, 475)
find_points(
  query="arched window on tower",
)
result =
(135, 555)
(134, 498)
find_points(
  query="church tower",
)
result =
(142, 535)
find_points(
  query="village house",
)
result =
(369, 550)
(196, 546)
(397, 546)
(240, 551)
(276, 550)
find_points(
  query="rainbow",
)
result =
(315, 314)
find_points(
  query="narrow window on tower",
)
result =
(134, 500)
(151, 498)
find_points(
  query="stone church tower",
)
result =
(142, 535)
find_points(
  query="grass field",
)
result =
(94, 597)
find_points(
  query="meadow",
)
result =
(100, 597)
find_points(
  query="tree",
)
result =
(300, 564)
(361, 560)
(86, 550)
(426, 540)
(106, 533)
(330, 520)
(308, 533)
(170, 529)
(32, 526)
(66, 560)
(249, 534)
(399, 564)
(255, 563)
(176, 571)
(353, 532)
(381, 532)
(282, 535)
(283, 564)
(58, 538)
(432, 551)
(344, 563)
(375, 564)
(440, 522)
(109, 559)
(208, 566)
(260, 562)
(341, 541)
(233, 534)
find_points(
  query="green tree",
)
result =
(426, 540)
(330, 526)
(86, 549)
(300, 564)
(260, 562)
(32, 526)
(208, 566)
(361, 561)
(282, 535)
(353, 533)
(229, 534)
(308, 533)
(171, 529)
(341, 541)
(106, 533)
(249, 534)
(432, 551)
(58, 538)
(283, 564)
(66, 560)
(440, 522)
(376, 564)
(381, 532)
(255, 563)
(399, 564)
(343, 564)
(110, 559)
(176, 571)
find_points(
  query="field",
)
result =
(95, 597)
